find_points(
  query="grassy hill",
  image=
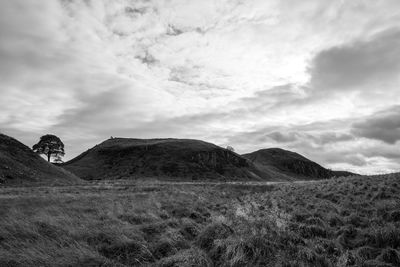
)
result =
(163, 159)
(290, 164)
(353, 221)
(20, 165)
(186, 159)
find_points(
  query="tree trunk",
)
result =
(48, 157)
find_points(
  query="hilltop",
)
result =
(291, 164)
(20, 165)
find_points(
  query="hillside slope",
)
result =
(290, 164)
(20, 165)
(121, 158)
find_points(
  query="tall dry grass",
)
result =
(340, 222)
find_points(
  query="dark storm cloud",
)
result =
(383, 125)
(358, 63)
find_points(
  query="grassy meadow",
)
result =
(339, 222)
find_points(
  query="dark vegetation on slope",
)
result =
(162, 158)
(122, 158)
(20, 165)
(291, 164)
(351, 221)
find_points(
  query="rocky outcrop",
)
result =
(219, 158)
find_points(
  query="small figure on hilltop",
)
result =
(51, 146)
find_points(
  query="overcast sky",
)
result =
(317, 77)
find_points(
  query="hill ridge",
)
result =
(162, 158)
(174, 158)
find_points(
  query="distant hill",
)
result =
(20, 165)
(162, 158)
(290, 164)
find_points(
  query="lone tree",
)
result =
(49, 145)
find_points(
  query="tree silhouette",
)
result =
(49, 145)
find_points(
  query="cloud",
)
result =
(282, 137)
(356, 64)
(331, 137)
(229, 72)
(383, 125)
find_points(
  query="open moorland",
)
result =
(352, 221)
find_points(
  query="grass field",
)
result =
(341, 222)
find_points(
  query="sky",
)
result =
(320, 78)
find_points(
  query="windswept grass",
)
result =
(340, 222)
